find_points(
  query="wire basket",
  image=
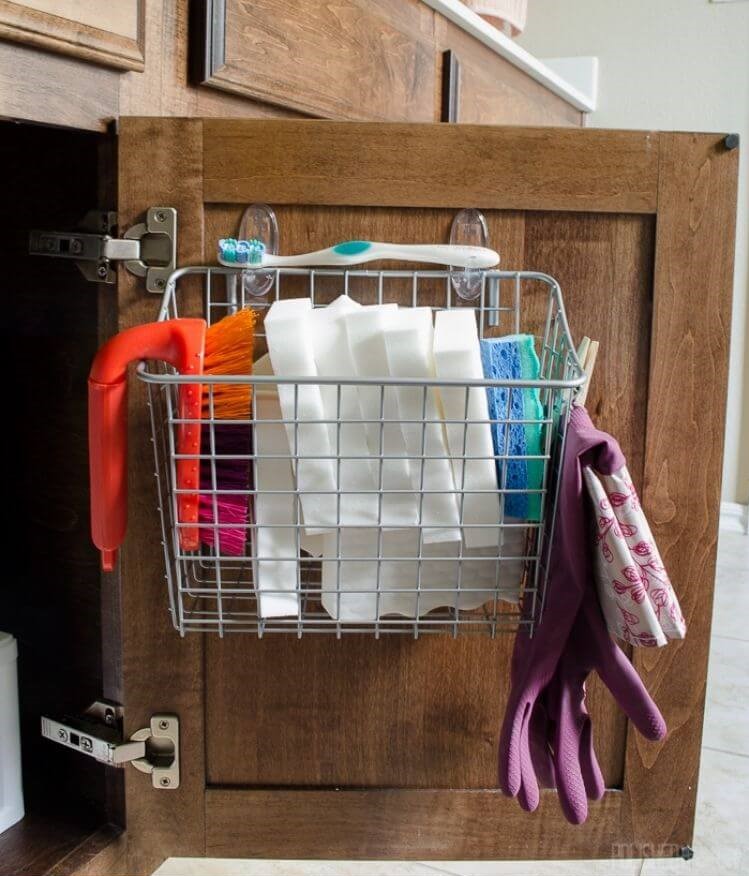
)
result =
(380, 577)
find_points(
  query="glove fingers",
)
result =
(621, 678)
(529, 783)
(511, 748)
(529, 802)
(595, 787)
(619, 675)
(570, 784)
(541, 737)
(543, 764)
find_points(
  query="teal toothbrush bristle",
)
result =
(241, 252)
(256, 251)
(227, 249)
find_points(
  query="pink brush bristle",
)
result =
(228, 444)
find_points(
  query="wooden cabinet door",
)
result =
(364, 748)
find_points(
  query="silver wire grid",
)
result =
(377, 575)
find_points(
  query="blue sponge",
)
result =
(514, 358)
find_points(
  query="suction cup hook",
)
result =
(468, 229)
(259, 222)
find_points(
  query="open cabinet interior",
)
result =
(52, 595)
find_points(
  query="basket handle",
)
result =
(181, 343)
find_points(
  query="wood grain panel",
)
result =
(353, 685)
(351, 59)
(361, 712)
(162, 89)
(493, 91)
(320, 162)
(401, 824)
(55, 90)
(355, 712)
(161, 672)
(74, 34)
(683, 459)
(604, 265)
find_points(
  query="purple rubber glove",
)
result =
(535, 659)
(562, 716)
(561, 709)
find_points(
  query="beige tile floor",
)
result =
(721, 842)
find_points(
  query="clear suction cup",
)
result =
(468, 229)
(259, 222)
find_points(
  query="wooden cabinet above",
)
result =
(72, 63)
(352, 60)
(110, 34)
(361, 60)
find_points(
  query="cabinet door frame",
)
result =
(688, 181)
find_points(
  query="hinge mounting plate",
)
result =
(148, 250)
(97, 733)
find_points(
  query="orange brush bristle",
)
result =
(229, 346)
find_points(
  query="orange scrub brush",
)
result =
(193, 349)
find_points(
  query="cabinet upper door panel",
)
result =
(110, 34)
(353, 60)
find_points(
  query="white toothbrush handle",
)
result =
(441, 254)
(437, 253)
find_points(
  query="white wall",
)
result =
(671, 65)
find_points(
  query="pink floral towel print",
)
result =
(634, 590)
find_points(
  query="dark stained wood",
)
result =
(44, 838)
(161, 671)
(683, 458)
(355, 712)
(401, 824)
(319, 162)
(493, 91)
(101, 854)
(353, 60)
(62, 842)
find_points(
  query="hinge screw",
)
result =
(109, 717)
(161, 216)
(163, 725)
(164, 782)
(158, 283)
(101, 271)
(63, 734)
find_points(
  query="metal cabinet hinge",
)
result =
(98, 733)
(147, 250)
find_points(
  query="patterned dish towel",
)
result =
(636, 596)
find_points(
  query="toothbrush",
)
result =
(355, 252)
